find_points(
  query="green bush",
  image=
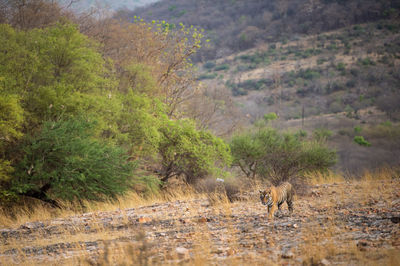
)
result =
(64, 162)
(270, 116)
(357, 129)
(266, 153)
(361, 141)
(207, 76)
(322, 134)
(222, 67)
(209, 65)
(190, 153)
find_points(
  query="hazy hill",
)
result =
(237, 25)
(346, 81)
(110, 4)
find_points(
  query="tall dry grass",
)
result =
(28, 212)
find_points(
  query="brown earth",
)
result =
(340, 223)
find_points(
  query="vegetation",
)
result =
(63, 161)
(77, 117)
(279, 157)
(361, 141)
(235, 26)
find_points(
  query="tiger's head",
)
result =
(266, 197)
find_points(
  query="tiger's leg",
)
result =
(271, 212)
(289, 202)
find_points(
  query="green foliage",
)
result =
(11, 119)
(139, 123)
(322, 134)
(279, 157)
(63, 161)
(270, 116)
(49, 68)
(301, 134)
(366, 62)
(207, 76)
(222, 67)
(191, 153)
(357, 129)
(137, 77)
(209, 65)
(361, 141)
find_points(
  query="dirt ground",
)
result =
(346, 223)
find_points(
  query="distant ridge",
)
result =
(114, 5)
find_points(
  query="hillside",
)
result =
(112, 5)
(237, 25)
(329, 225)
(350, 75)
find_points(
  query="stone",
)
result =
(324, 262)
(287, 255)
(33, 225)
(182, 252)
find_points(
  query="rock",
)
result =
(31, 226)
(324, 262)
(182, 252)
(295, 226)
(287, 255)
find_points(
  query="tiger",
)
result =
(274, 197)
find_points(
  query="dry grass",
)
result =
(325, 178)
(12, 217)
(326, 237)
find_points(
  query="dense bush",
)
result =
(190, 153)
(64, 161)
(266, 153)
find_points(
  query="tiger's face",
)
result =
(266, 197)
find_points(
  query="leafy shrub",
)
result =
(270, 116)
(366, 62)
(357, 129)
(209, 65)
(351, 83)
(322, 134)
(64, 162)
(222, 67)
(207, 76)
(190, 153)
(278, 157)
(361, 141)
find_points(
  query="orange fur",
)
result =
(274, 197)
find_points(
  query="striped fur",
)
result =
(274, 197)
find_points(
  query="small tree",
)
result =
(279, 157)
(190, 153)
(64, 162)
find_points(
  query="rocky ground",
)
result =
(340, 223)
